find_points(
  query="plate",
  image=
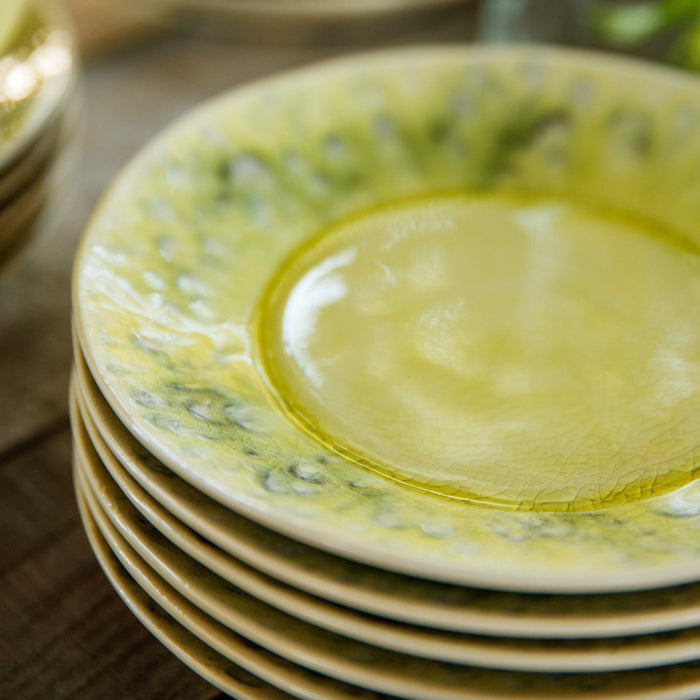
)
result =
(38, 158)
(35, 207)
(208, 663)
(159, 492)
(253, 659)
(11, 16)
(315, 8)
(252, 618)
(18, 216)
(37, 75)
(665, 682)
(182, 253)
(34, 162)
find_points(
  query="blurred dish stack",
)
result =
(327, 23)
(270, 562)
(39, 114)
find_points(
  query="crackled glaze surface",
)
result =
(174, 264)
(524, 352)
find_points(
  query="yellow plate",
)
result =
(549, 444)
(11, 16)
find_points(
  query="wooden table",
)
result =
(64, 633)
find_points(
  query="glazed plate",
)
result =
(283, 675)
(253, 558)
(44, 179)
(447, 681)
(33, 163)
(247, 615)
(309, 9)
(276, 299)
(18, 215)
(37, 74)
(11, 18)
(190, 649)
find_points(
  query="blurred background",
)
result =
(140, 64)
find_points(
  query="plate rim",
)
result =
(209, 638)
(102, 550)
(48, 111)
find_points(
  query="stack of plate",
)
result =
(38, 114)
(308, 8)
(237, 417)
(309, 22)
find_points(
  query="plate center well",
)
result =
(527, 353)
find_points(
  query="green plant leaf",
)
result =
(631, 24)
(678, 10)
(688, 50)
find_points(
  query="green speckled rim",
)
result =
(160, 347)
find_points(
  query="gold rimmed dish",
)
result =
(37, 75)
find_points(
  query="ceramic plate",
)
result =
(453, 682)
(209, 664)
(37, 160)
(35, 206)
(282, 674)
(313, 8)
(33, 163)
(18, 215)
(257, 621)
(354, 585)
(37, 74)
(183, 276)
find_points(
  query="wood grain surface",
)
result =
(64, 633)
